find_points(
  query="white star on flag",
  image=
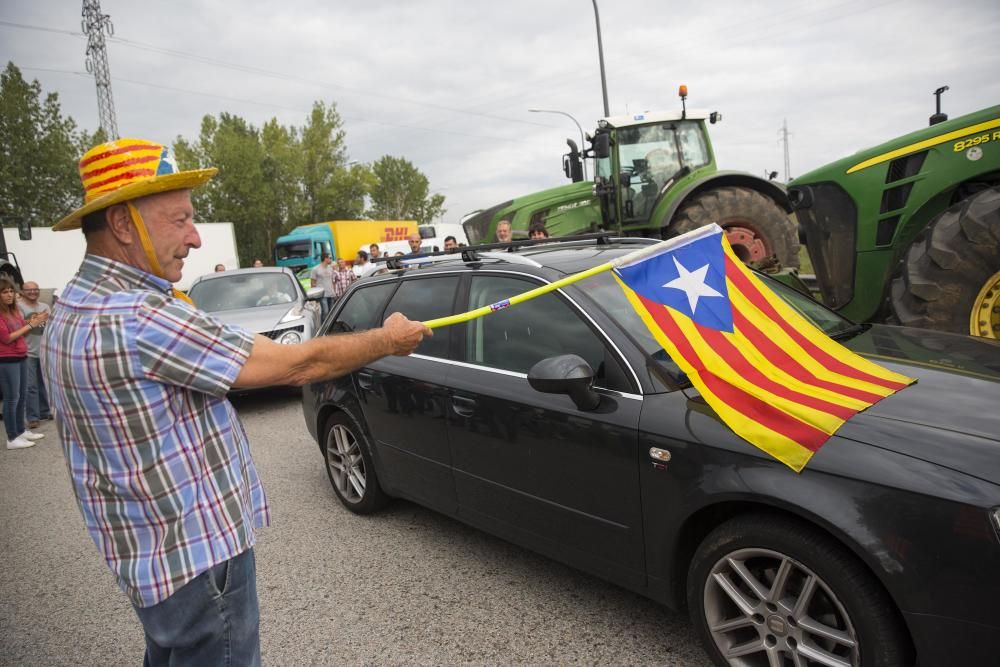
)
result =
(692, 283)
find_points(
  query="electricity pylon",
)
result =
(95, 26)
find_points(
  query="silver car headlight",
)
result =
(293, 314)
(290, 338)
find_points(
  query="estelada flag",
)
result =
(775, 379)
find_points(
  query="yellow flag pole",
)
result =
(629, 258)
(520, 298)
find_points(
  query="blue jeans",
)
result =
(14, 385)
(38, 399)
(211, 620)
(325, 306)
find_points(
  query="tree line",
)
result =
(271, 178)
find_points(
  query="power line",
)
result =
(249, 69)
(25, 26)
(347, 117)
(792, 15)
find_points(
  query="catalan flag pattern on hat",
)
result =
(118, 171)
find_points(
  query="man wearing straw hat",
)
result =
(138, 378)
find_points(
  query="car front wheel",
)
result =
(349, 465)
(764, 591)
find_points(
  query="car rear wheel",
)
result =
(349, 465)
(764, 591)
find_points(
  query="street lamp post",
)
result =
(600, 55)
(582, 144)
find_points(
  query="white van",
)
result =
(434, 234)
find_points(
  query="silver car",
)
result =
(266, 300)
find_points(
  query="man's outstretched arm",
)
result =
(327, 357)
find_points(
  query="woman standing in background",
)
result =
(13, 368)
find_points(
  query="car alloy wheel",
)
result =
(770, 589)
(349, 465)
(764, 608)
(346, 465)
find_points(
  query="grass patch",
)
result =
(805, 264)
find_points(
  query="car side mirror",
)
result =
(566, 374)
(314, 294)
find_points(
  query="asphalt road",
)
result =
(406, 586)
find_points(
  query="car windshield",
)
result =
(293, 250)
(658, 151)
(244, 290)
(604, 290)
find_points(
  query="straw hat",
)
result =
(118, 171)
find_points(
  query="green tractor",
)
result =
(656, 176)
(909, 231)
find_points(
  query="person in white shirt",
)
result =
(362, 267)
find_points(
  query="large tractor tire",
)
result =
(756, 226)
(950, 279)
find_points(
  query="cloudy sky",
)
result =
(448, 83)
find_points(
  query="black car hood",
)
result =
(951, 416)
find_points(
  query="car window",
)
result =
(426, 299)
(517, 338)
(245, 290)
(362, 308)
(832, 323)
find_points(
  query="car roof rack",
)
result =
(499, 251)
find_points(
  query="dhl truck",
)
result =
(303, 247)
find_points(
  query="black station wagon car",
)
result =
(560, 425)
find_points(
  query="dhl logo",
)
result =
(395, 233)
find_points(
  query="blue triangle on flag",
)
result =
(690, 278)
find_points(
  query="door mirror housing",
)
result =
(314, 294)
(572, 164)
(601, 145)
(566, 374)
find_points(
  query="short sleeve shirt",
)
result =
(342, 282)
(34, 337)
(323, 275)
(159, 461)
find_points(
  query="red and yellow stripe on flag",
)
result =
(775, 379)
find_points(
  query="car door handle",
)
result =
(464, 407)
(366, 380)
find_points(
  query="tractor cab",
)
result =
(639, 157)
(652, 152)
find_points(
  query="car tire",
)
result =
(347, 452)
(765, 590)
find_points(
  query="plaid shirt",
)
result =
(159, 461)
(341, 281)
